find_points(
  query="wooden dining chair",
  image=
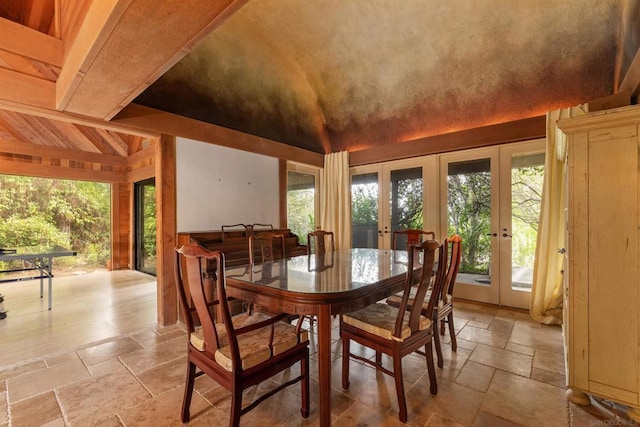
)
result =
(243, 350)
(402, 239)
(396, 331)
(316, 242)
(443, 310)
(262, 247)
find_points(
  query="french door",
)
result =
(389, 197)
(145, 226)
(491, 197)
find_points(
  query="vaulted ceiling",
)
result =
(324, 76)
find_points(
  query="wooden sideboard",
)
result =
(602, 275)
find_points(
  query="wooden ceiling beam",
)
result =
(502, 133)
(20, 107)
(142, 37)
(26, 90)
(173, 124)
(33, 44)
(36, 150)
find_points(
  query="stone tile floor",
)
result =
(98, 358)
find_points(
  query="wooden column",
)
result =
(165, 167)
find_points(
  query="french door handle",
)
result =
(492, 234)
(506, 235)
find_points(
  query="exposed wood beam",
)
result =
(59, 172)
(143, 37)
(27, 90)
(518, 130)
(97, 26)
(73, 132)
(172, 124)
(27, 149)
(27, 42)
(48, 113)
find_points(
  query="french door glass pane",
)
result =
(406, 201)
(146, 226)
(469, 215)
(301, 189)
(527, 173)
(364, 210)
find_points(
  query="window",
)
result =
(302, 199)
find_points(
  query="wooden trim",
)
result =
(166, 227)
(141, 173)
(282, 185)
(26, 89)
(519, 130)
(25, 41)
(158, 121)
(601, 119)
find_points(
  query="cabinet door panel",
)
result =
(613, 263)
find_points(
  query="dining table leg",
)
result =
(324, 363)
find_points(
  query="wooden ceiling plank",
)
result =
(45, 132)
(26, 90)
(93, 69)
(40, 15)
(20, 126)
(70, 133)
(115, 146)
(33, 44)
(8, 131)
(94, 135)
(118, 142)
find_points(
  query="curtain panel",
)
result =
(335, 200)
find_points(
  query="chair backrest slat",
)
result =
(318, 238)
(413, 237)
(195, 259)
(265, 242)
(428, 249)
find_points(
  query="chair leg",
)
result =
(441, 328)
(452, 332)
(436, 341)
(431, 368)
(346, 344)
(378, 359)
(304, 385)
(236, 408)
(397, 375)
(188, 391)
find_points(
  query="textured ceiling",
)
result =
(337, 75)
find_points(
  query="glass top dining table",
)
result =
(321, 285)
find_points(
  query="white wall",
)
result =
(221, 186)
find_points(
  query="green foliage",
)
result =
(300, 212)
(470, 217)
(406, 209)
(40, 211)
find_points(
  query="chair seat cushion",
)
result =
(397, 299)
(254, 346)
(380, 319)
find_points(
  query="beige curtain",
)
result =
(335, 198)
(546, 295)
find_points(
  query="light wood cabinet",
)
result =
(602, 274)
